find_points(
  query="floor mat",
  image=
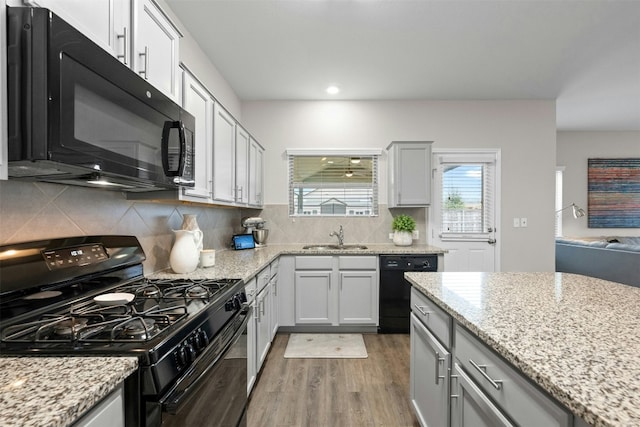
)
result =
(325, 346)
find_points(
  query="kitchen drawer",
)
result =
(274, 266)
(251, 289)
(519, 399)
(263, 278)
(358, 262)
(314, 262)
(432, 316)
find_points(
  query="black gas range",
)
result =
(88, 296)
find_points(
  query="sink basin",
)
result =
(334, 247)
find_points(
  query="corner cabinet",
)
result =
(409, 167)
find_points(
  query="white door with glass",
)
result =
(464, 210)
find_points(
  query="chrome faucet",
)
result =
(339, 235)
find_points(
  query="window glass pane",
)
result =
(333, 185)
(462, 198)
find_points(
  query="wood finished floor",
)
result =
(335, 392)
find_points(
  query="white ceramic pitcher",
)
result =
(185, 255)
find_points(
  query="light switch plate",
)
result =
(415, 235)
(516, 222)
(524, 222)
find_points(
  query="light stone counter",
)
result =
(245, 264)
(577, 337)
(56, 391)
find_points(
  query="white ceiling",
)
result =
(583, 53)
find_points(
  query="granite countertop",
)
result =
(245, 264)
(56, 391)
(577, 337)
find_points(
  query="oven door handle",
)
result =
(189, 382)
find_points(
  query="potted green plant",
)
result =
(403, 227)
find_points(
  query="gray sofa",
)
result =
(611, 258)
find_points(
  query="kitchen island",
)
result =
(575, 337)
(57, 391)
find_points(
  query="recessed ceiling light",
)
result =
(332, 90)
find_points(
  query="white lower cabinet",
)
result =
(485, 390)
(314, 297)
(358, 297)
(429, 382)
(336, 290)
(262, 294)
(107, 413)
(263, 324)
(470, 406)
(252, 366)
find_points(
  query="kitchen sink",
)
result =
(334, 247)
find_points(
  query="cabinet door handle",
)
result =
(146, 63)
(438, 360)
(420, 308)
(497, 384)
(124, 45)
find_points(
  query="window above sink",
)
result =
(333, 182)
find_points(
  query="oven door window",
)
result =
(105, 125)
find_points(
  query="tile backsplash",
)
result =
(33, 211)
(285, 229)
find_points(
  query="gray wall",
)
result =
(574, 149)
(524, 131)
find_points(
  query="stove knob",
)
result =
(181, 356)
(204, 338)
(243, 297)
(191, 353)
(237, 303)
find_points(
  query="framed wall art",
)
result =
(614, 193)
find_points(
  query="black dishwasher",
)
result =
(395, 291)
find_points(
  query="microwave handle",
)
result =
(166, 132)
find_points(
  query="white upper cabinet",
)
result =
(155, 47)
(106, 22)
(242, 166)
(198, 102)
(409, 165)
(256, 174)
(224, 136)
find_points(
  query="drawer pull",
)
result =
(497, 384)
(438, 360)
(421, 310)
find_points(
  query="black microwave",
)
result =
(77, 115)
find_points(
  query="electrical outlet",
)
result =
(390, 236)
(516, 222)
(415, 235)
(523, 222)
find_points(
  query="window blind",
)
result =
(333, 185)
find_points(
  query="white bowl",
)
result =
(115, 298)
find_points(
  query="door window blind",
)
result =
(468, 197)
